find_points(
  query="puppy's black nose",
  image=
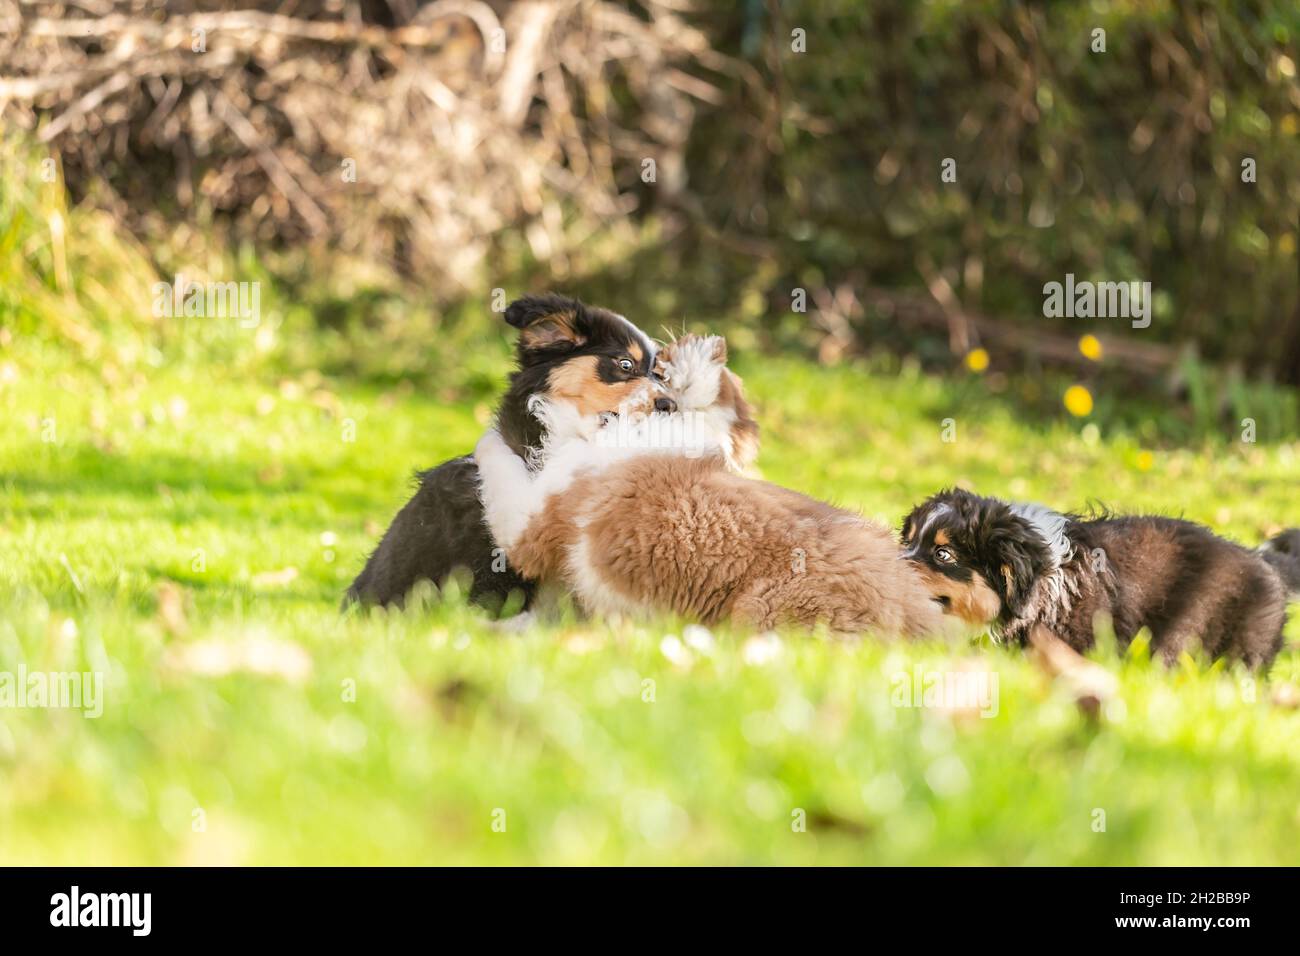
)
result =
(665, 405)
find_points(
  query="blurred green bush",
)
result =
(1126, 164)
(801, 204)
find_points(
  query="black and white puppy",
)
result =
(1018, 566)
(589, 358)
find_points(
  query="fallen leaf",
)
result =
(582, 642)
(761, 649)
(275, 579)
(1286, 695)
(253, 653)
(672, 648)
(171, 609)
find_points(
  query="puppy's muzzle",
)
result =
(933, 581)
(652, 397)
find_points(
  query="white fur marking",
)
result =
(506, 489)
(1058, 587)
(919, 538)
(1051, 527)
(596, 597)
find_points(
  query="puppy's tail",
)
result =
(1283, 553)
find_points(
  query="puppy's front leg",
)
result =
(506, 489)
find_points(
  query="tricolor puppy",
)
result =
(633, 524)
(586, 359)
(692, 405)
(1017, 566)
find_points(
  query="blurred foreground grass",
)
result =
(189, 535)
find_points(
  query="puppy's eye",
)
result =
(944, 556)
(626, 364)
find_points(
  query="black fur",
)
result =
(1191, 588)
(441, 527)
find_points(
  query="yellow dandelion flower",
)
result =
(1145, 460)
(1090, 346)
(1078, 401)
(977, 360)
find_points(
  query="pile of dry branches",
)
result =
(409, 132)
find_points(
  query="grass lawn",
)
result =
(188, 531)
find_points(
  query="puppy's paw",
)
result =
(1091, 685)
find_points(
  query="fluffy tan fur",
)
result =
(731, 395)
(744, 431)
(666, 533)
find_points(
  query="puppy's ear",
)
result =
(734, 392)
(1019, 561)
(546, 322)
(719, 349)
(744, 430)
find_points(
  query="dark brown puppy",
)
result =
(1019, 566)
(1283, 552)
(589, 357)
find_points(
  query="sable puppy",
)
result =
(632, 528)
(1015, 566)
(589, 358)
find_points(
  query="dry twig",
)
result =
(415, 141)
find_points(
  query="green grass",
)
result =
(138, 541)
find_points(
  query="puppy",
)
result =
(1017, 566)
(589, 359)
(634, 527)
(1283, 553)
